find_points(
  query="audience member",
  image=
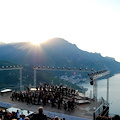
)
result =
(18, 114)
(56, 118)
(27, 118)
(40, 115)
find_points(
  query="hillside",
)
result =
(56, 52)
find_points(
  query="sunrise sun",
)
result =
(37, 42)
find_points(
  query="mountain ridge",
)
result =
(56, 52)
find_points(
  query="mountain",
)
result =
(5, 63)
(2, 43)
(56, 52)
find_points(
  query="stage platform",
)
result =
(81, 110)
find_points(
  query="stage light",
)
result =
(63, 68)
(91, 82)
(88, 74)
(92, 69)
(68, 68)
(97, 74)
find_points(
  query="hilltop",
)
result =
(56, 52)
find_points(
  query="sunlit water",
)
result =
(114, 92)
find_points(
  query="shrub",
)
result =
(104, 118)
(116, 117)
(109, 118)
(98, 117)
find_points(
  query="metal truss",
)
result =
(57, 69)
(14, 68)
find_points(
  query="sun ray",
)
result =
(37, 42)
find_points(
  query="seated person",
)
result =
(40, 115)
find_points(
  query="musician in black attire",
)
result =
(69, 104)
(65, 106)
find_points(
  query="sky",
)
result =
(93, 25)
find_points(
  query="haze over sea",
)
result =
(114, 92)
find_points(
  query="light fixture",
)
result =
(63, 68)
(68, 68)
(92, 69)
(74, 68)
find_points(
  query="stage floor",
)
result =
(82, 110)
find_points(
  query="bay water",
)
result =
(114, 92)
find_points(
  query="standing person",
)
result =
(22, 117)
(59, 102)
(40, 115)
(52, 101)
(65, 106)
(13, 116)
(1, 114)
(69, 104)
(44, 100)
(6, 115)
(27, 89)
(18, 114)
(38, 98)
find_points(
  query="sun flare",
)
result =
(36, 42)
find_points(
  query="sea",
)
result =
(114, 92)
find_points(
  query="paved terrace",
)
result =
(85, 111)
